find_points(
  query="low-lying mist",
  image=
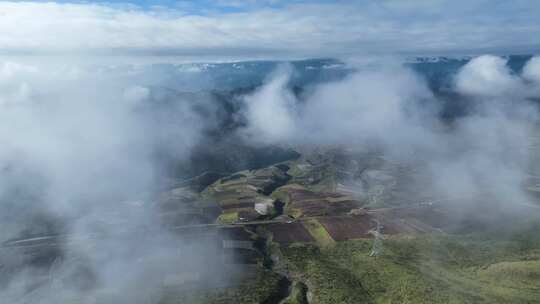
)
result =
(484, 153)
(86, 150)
(80, 158)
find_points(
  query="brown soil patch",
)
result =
(286, 234)
(412, 220)
(346, 228)
(323, 207)
(301, 194)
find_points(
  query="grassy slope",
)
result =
(253, 291)
(499, 266)
(427, 269)
(297, 295)
(228, 218)
(492, 267)
(318, 233)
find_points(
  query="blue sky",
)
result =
(202, 6)
(270, 28)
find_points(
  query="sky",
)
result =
(268, 29)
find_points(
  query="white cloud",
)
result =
(484, 151)
(363, 107)
(288, 30)
(490, 77)
(531, 71)
(270, 111)
(487, 75)
(367, 106)
(77, 143)
(136, 94)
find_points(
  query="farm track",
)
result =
(47, 240)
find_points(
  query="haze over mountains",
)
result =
(269, 151)
(89, 152)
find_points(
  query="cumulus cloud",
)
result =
(483, 152)
(531, 71)
(364, 106)
(487, 75)
(271, 110)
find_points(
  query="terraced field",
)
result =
(297, 233)
(244, 196)
(322, 239)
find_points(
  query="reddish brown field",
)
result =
(300, 195)
(345, 228)
(412, 220)
(323, 207)
(286, 234)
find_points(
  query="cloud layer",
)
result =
(78, 141)
(278, 30)
(388, 107)
(78, 157)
